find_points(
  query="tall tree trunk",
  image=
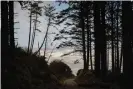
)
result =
(43, 38)
(83, 35)
(108, 48)
(132, 30)
(103, 42)
(39, 51)
(97, 38)
(11, 28)
(46, 39)
(88, 40)
(127, 49)
(45, 48)
(118, 69)
(91, 52)
(32, 38)
(34, 34)
(4, 31)
(112, 35)
(4, 43)
(121, 56)
(30, 31)
(115, 57)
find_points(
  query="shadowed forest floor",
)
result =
(34, 72)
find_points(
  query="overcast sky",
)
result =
(23, 19)
(23, 31)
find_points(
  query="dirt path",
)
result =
(70, 84)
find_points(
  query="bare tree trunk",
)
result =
(46, 41)
(118, 69)
(34, 34)
(115, 57)
(121, 56)
(45, 48)
(112, 36)
(4, 43)
(29, 31)
(4, 28)
(51, 53)
(97, 38)
(88, 40)
(103, 42)
(91, 53)
(39, 51)
(44, 38)
(108, 53)
(127, 48)
(11, 28)
(83, 35)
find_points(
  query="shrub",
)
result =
(28, 72)
(60, 69)
(85, 77)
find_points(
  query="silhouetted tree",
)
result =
(88, 34)
(60, 69)
(73, 13)
(112, 35)
(76, 33)
(11, 27)
(49, 12)
(117, 37)
(127, 48)
(36, 11)
(103, 41)
(4, 42)
(30, 28)
(97, 37)
(83, 34)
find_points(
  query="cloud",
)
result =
(69, 60)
